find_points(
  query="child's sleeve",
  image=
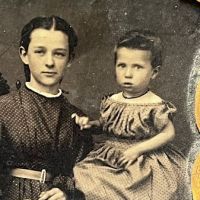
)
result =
(163, 114)
(197, 106)
(102, 109)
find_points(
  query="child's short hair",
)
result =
(142, 40)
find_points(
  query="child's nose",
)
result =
(128, 73)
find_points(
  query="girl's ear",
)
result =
(68, 64)
(23, 55)
(155, 72)
(71, 57)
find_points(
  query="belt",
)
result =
(41, 176)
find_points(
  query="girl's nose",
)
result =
(128, 73)
(49, 61)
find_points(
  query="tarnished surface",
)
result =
(99, 23)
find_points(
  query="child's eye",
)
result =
(60, 54)
(138, 66)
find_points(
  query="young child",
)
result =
(134, 161)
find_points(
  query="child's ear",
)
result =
(155, 72)
(23, 55)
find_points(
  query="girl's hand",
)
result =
(83, 122)
(53, 194)
(129, 157)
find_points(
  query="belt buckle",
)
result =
(43, 176)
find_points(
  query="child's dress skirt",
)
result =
(157, 175)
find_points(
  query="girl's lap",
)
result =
(19, 188)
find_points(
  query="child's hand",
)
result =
(129, 157)
(83, 122)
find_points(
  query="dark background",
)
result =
(99, 23)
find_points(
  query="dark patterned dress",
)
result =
(38, 133)
(155, 175)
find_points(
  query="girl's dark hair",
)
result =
(58, 24)
(142, 40)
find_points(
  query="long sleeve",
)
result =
(82, 145)
(79, 146)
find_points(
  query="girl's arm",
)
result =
(166, 135)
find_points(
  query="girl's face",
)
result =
(134, 70)
(47, 56)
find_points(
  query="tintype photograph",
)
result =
(100, 99)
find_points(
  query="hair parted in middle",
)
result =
(47, 23)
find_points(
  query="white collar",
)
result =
(46, 94)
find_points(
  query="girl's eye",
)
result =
(122, 65)
(40, 52)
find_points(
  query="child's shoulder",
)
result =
(116, 96)
(153, 98)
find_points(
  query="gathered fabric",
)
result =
(155, 175)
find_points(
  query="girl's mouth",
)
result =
(127, 83)
(49, 74)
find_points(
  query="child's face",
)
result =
(47, 56)
(134, 70)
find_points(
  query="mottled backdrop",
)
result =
(99, 23)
